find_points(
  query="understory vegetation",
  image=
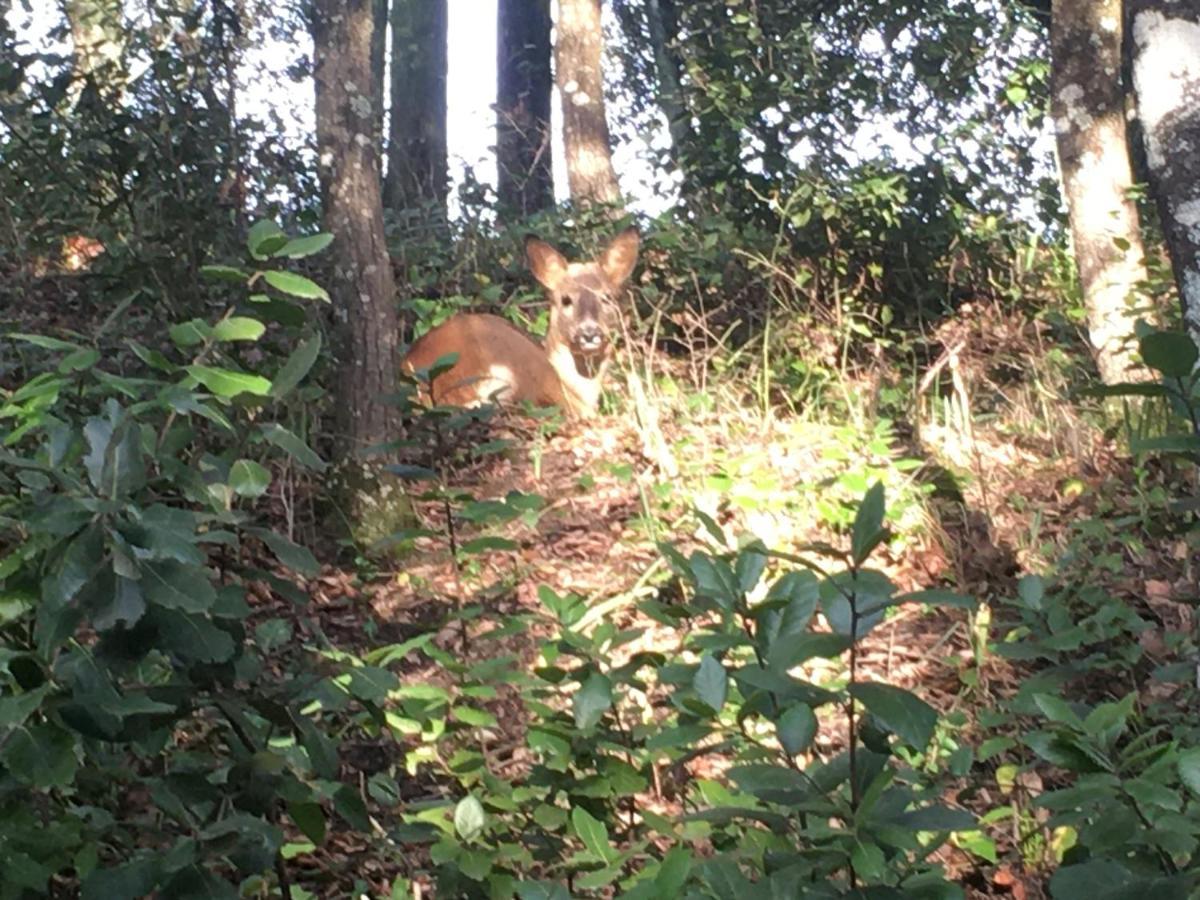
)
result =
(861, 584)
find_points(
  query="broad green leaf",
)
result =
(796, 728)
(1058, 710)
(298, 559)
(348, 804)
(298, 364)
(296, 285)
(469, 818)
(594, 835)
(901, 711)
(297, 248)
(1032, 590)
(673, 872)
(264, 238)
(294, 447)
(1189, 769)
(248, 478)
(711, 682)
(40, 756)
(192, 637)
(310, 819)
(749, 566)
(189, 334)
(592, 701)
(714, 579)
(542, 890)
(1173, 353)
(130, 881)
(177, 585)
(238, 328)
(868, 532)
(228, 383)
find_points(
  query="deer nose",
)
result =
(589, 336)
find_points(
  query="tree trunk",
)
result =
(663, 25)
(417, 166)
(1087, 105)
(98, 41)
(1166, 76)
(363, 291)
(577, 52)
(379, 18)
(523, 84)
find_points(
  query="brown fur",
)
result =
(497, 361)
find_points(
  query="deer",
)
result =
(498, 361)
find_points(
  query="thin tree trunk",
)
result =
(586, 141)
(1087, 105)
(98, 42)
(1166, 76)
(363, 290)
(417, 158)
(525, 181)
(664, 27)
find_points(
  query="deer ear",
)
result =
(548, 266)
(620, 256)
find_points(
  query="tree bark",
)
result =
(663, 25)
(363, 292)
(525, 181)
(417, 159)
(586, 141)
(379, 18)
(1087, 106)
(1166, 77)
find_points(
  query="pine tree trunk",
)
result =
(1087, 105)
(577, 62)
(523, 83)
(1166, 76)
(363, 291)
(417, 158)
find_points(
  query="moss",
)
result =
(372, 505)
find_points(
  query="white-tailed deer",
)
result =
(498, 361)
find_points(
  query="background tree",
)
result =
(1088, 108)
(417, 157)
(662, 21)
(523, 83)
(578, 48)
(98, 39)
(1166, 74)
(362, 287)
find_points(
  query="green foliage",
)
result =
(129, 508)
(611, 720)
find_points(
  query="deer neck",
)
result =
(581, 376)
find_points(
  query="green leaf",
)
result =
(542, 890)
(298, 559)
(350, 806)
(711, 682)
(902, 712)
(297, 248)
(1173, 353)
(714, 579)
(592, 701)
(322, 752)
(264, 238)
(40, 756)
(223, 273)
(937, 597)
(796, 729)
(193, 637)
(1058, 710)
(290, 444)
(749, 566)
(238, 328)
(296, 285)
(1189, 769)
(298, 364)
(673, 873)
(127, 882)
(310, 819)
(248, 478)
(228, 383)
(41, 340)
(469, 818)
(594, 835)
(177, 585)
(189, 334)
(868, 532)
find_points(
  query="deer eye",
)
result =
(567, 302)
